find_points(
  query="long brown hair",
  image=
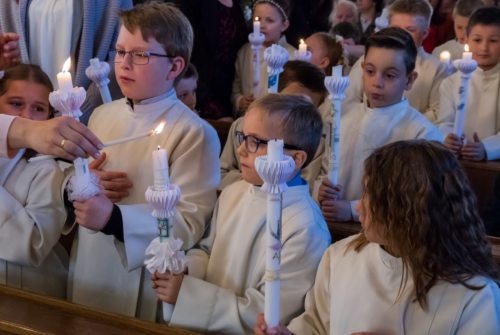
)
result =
(421, 200)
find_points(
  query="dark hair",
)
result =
(488, 16)
(29, 72)
(422, 205)
(334, 50)
(379, 6)
(396, 39)
(165, 23)
(305, 73)
(465, 8)
(346, 30)
(190, 72)
(300, 123)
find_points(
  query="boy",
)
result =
(482, 116)
(224, 289)
(385, 117)
(153, 46)
(413, 16)
(461, 12)
(186, 87)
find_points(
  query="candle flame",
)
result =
(158, 148)
(257, 18)
(158, 129)
(466, 48)
(67, 65)
(445, 55)
(301, 41)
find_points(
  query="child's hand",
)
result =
(474, 151)
(261, 328)
(336, 210)
(328, 191)
(115, 183)
(453, 143)
(244, 102)
(93, 213)
(167, 286)
(9, 50)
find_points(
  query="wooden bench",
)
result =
(482, 177)
(23, 312)
(222, 129)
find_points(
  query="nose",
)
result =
(126, 62)
(25, 113)
(378, 81)
(241, 149)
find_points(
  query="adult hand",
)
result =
(61, 136)
(9, 50)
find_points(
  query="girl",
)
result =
(32, 211)
(273, 16)
(326, 52)
(421, 264)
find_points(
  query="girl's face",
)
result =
(319, 53)
(272, 24)
(26, 99)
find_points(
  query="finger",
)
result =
(476, 138)
(115, 196)
(113, 176)
(98, 163)
(84, 140)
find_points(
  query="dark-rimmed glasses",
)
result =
(252, 143)
(138, 57)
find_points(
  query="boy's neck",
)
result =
(369, 105)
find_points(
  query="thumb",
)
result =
(476, 138)
(98, 163)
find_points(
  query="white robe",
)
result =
(108, 274)
(32, 216)
(243, 76)
(358, 292)
(424, 94)
(452, 46)
(231, 261)
(482, 108)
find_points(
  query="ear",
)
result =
(325, 63)
(426, 32)
(178, 64)
(410, 80)
(285, 26)
(299, 157)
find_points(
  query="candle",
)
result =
(302, 49)
(445, 57)
(64, 77)
(337, 71)
(160, 169)
(466, 54)
(256, 26)
(275, 150)
(155, 131)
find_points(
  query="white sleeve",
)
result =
(492, 147)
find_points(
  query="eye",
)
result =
(16, 104)
(141, 54)
(120, 53)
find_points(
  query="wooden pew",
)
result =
(23, 312)
(222, 128)
(482, 176)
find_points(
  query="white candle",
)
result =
(337, 71)
(466, 54)
(64, 77)
(256, 26)
(302, 49)
(445, 57)
(160, 168)
(275, 150)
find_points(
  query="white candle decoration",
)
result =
(337, 71)
(64, 80)
(303, 54)
(256, 40)
(275, 150)
(466, 66)
(466, 54)
(275, 56)
(98, 72)
(160, 169)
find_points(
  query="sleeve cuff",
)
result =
(115, 224)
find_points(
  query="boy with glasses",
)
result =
(152, 50)
(224, 288)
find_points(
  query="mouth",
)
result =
(125, 79)
(376, 96)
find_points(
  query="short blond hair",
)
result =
(165, 23)
(412, 7)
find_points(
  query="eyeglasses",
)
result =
(252, 143)
(138, 57)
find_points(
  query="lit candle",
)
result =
(466, 54)
(160, 169)
(275, 150)
(337, 71)
(445, 57)
(256, 26)
(64, 77)
(302, 49)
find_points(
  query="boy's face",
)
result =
(139, 82)
(484, 43)
(319, 56)
(186, 91)
(384, 76)
(416, 25)
(262, 127)
(271, 22)
(26, 99)
(460, 25)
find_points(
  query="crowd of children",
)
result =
(421, 262)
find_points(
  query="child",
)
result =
(461, 12)
(481, 125)
(153, 46)
(422, 263)
(225, 286)
(186, 87)
(298, 77)
(32, 211)
(273, 16)
(413, 16)
(388, 70)
(326, 52)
